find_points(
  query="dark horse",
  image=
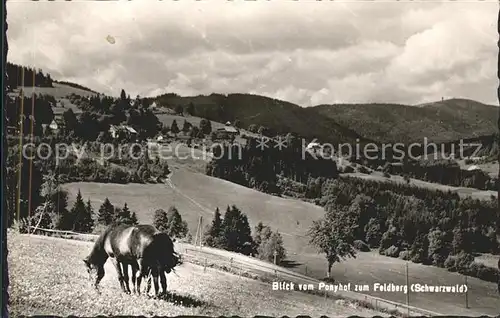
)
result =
(142, 247)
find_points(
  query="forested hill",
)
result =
(442, 121)
(15, 76)
(276, 115)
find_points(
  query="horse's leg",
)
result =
(119, 272)
(134, 267)
(125, 276)
(148, 281)
(155, 272)
(163, 281)
(142, 273)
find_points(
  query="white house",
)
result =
(116, 131)
(473, 168)
(54, 126)
(313, 146)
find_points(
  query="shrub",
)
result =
(459, 263)
(451, 263)
(406, 179)
(20, 226)
(269, 245)
(392, 251)
(348, 169)
(481, 271)
(463, 262)
(361, 246)
(389, 238)
(118, 175)
(364, 170)
(386, 175)
(404, 255)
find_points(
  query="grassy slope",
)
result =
(291, 217)
(47, 276)
(60, 93)
(440, 121)
(167, 119)
(370, 267)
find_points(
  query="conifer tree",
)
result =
(176, 226)
(160, 220)
(186, 126)
(133, 219)
(236, 232)
(174, 128)
(105, 213)
(213, 234)
(124, 216)
(82, 215)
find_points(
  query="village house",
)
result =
(54, 127)
(122, 131)
(227, 132)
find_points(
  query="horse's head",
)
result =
(94, 271)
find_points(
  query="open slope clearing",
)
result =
(197, 195)
(60, 92)
(47, 276)
(462, 191)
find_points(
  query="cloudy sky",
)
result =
(306, 52)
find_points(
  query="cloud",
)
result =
(304, 52)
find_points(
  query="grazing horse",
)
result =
(142, 247)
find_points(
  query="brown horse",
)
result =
(142, 247)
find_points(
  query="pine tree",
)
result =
(82, 215)
(213, 234)
(236, 232)
(160, 220)
(90, 209)
(176, 226)
(124, 216)
(174, 128)
(186, 126)
(133, 219)
(105, 213)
